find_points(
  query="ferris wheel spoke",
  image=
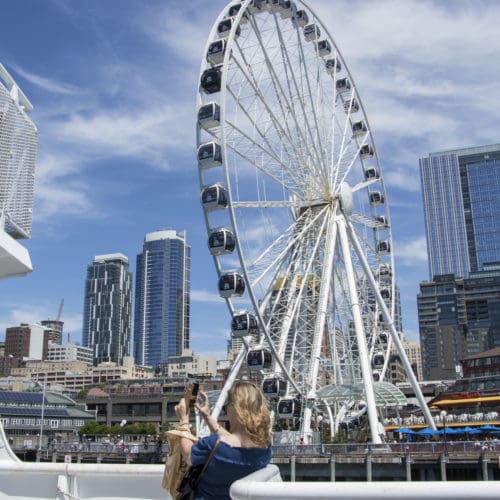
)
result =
(297, 160)
(353, 159)
(365, 184)
(252, 161)
(305, 77)
(301, 231)
(280, 165)
(288, 109)
(290, 77)
(297, 301)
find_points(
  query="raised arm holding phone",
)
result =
(241, 451)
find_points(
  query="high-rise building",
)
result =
(107, 310)
(26, 342)
(161, 322)
(55, 329)
(461, 196)
(458, 318)
(70, 352)
(458, 307)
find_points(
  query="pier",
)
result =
(420, 461)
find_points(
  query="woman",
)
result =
(240, 452)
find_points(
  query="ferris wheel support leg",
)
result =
(331, 418)
(235, 369)
(319, 326)
(360, 335)
(394, 334)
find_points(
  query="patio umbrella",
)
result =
(471, 430)
(404, 430)
(489, 428)
(427, 431)
(449, 430)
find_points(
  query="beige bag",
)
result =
(175, 467)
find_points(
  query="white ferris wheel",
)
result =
(296, 209)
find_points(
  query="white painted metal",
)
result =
(377, 490)
(290, 164)
(394, 334)
(360, 335)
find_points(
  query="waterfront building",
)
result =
(21, 416)
(461, 199)
(70, 352)
(457, 319)
(161, 324)
(191, 364)
(143, 401)
(74, 376)
(107, 308)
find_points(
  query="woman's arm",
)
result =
(185, 443)
(204, 410)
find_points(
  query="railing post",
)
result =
(408, 465)
(369, 466)
(332, 469)
(443, 460)
(292, 468)
(484, 466)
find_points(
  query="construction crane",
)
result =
(60, 310)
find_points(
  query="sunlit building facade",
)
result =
(461, 199)
(162, 309)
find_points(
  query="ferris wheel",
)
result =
(295, 207)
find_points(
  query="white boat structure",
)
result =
(66, 481)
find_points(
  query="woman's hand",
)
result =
(203, 407)
(181, 411)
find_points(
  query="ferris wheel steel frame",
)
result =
(310, 284)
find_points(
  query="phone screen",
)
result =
(191, 394)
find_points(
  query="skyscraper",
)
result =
(107, 309)
(161, 323)
(458, 318)
(461, 195)
(458, 307)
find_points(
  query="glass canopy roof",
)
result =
(386, 394)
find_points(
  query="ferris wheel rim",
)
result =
(232, 203)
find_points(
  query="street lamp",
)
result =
(443, 416)
(44, 386)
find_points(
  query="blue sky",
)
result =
(114, 83)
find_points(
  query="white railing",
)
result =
(393, 490)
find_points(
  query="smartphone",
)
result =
(191, 394)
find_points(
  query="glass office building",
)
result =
(107, 310)
(461, 196)
(458, 308)
(161, 322)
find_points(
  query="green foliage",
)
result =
(94, 428)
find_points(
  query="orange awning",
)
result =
(466, 401)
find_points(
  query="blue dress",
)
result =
(227, 465)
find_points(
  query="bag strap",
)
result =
(212, 453)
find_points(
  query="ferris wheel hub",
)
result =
(346, 199)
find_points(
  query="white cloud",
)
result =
(412, 251)
(146, 134)
(205, 296)
(48, 84)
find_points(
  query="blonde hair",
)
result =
(251, 410)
